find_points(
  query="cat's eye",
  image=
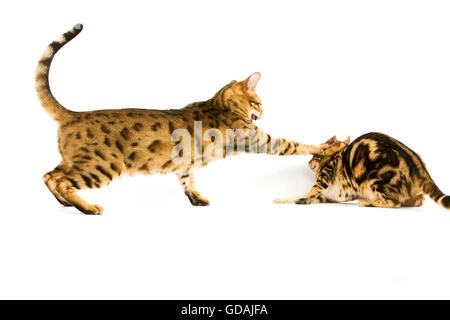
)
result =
(255, 103)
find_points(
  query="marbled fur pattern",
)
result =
(375, 169)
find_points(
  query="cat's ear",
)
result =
(251, 82)
(332, 140)
(347, 141)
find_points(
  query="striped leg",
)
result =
(290, 147)
(261, 142)
(251, 139)
(186, 179)
(324, 179)
(380, 203)
(67, 185)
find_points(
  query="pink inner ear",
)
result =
(252, 81)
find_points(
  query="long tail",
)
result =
(48, 101)
(436, 194)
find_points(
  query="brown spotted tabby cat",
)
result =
(375, 169)
(99, 146)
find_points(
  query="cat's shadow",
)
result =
(288, 181)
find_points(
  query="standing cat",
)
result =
(99, 146)
(375, 169)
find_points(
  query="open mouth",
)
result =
(254, 115)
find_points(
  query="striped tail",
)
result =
(436, 194)
(48, 101)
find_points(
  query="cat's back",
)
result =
(121, 130)
(376, 151)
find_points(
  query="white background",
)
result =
(328, 67)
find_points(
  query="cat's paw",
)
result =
(91, 210)
(303, 201)
(200, 202)
(279, 200)
(197, 200)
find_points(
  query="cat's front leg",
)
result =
(286, 147)
(254, 140)
(300, 200)
(290, 147)
(186, 179)
(313, 196)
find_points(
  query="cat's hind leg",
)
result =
(416, 201)
(50, 179)
(69, 183)
(380, 195)
(380, 203)
(186, 179)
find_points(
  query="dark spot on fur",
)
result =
(153, 145)
(114, 167)
(156, 126)
(125, 133)
(95, 177)
(99, 154)
(105, 129)
(104, 172)
(74, 183)
(166, 164)
(138, 126)
(119, 146)
(87, 181)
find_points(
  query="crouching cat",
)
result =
(99, 146)
(375, 169)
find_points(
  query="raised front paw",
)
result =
(196, 199)
(303, 201)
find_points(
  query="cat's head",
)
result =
(335, 147)
(241, 98)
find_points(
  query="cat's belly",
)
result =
(339, 193)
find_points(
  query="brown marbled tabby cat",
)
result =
(99, 146)
(375, 169)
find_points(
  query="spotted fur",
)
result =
(375, 169)
(99, 146)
